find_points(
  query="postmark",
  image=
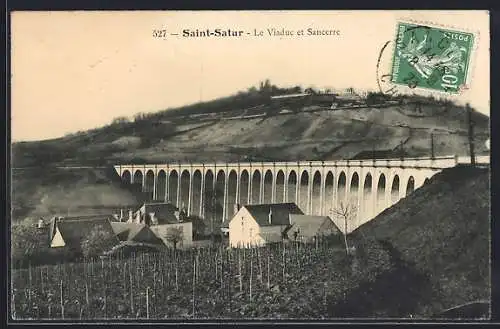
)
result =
(433, 58)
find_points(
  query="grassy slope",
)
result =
(48, 192)
(440, 234)
(318, 135)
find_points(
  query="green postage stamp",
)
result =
(431, 57)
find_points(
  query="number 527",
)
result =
(159, 33)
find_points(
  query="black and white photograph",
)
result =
(249, 166)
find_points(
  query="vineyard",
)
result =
(284, 281)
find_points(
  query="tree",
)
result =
(97, 242)
(120, 120)
(198, 225)
(212, 207)
(24, 238)
(346, 212)
(174, 235)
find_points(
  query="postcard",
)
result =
(250, 166)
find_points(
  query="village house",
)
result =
(51, 224)
(309, 229)
(260, 224)
(135, 234)
(71, 233)
(167, 222)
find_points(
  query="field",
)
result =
(285, 281)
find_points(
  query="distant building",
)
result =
(157, 214)
(307, 229)
(260, 224)
(166, 221)
(71, 233)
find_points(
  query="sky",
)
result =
(73, 71)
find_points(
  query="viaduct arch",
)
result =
(317, 187)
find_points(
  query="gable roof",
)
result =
(133, 232)
(309, 225)
(280, 213)
(164, 212)
(75, 231)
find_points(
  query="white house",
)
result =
(260, 224)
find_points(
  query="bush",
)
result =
(97, 242)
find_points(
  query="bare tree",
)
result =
(174, 235)
(346, 212)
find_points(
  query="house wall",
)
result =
(57, 240)
(187, 236)
(273, 233)
(244, 230)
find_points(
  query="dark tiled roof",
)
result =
(310, 225)
(133, 232)
(74, 232)
(280, 213)
(164, 212)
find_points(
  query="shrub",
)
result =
(97, 242)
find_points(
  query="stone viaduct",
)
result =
(318, 187)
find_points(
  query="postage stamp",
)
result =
(432, 57)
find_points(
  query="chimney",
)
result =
(129, 214)
(40, 223)
(154, 220)
(236, 207)
(270, 215)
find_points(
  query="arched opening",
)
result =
(329, 193)
(367, 196)
(195, 204)
(303, 189)
(341, 189)
(219, 196)
(354, 188)
(292, 187)
(395, 190)
(255, 199)
(184, 197)
(316, 194)
(353, 196)
(280, 187)
(126, 176)
(268, 187)
(149, 183)
(138, 176)
(244, 181)
(381, 193)
(410, 187)
(173, 182)
(231, 193)
(161, 184)
(208, 198)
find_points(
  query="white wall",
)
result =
(244, 230)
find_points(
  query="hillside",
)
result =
(438, 239)
(244, 127)
(48, 192)
(260, 132)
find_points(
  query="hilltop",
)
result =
(438, 240)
